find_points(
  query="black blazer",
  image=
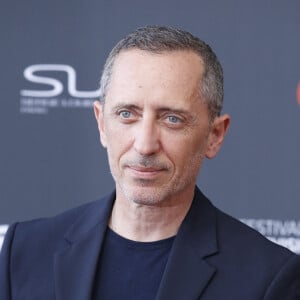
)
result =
(214, 257)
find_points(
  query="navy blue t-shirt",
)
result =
(130, 270)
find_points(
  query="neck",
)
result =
(147, 223)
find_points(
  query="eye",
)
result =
(173, 119)
(125, 114)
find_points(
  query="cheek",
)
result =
(117, 142)
(186, 151)
(178, 153)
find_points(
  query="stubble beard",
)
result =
(145, 192)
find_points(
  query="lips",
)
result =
(145, 172)
(145, 169)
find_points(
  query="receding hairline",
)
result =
(165, 39)
(160, 53)
(201, 68)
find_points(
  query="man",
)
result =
(157, 236)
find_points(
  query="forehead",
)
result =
(187, 62)
(141, 75)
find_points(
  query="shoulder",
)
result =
(248, 241)
(260, 266)
(233, 235)
(49, 232)
(259, 261)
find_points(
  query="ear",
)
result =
(216, 136)
(98, 111)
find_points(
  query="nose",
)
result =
(147, 138)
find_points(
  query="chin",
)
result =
(148, 196)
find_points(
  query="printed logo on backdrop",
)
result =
(285, 233)
(3, 229)
(50, 92)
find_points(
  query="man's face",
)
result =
(154, 125)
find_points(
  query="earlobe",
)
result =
(98, 111)
(216, 136)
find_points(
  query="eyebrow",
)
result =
(159, 109)
(125, 105)
(174, 110)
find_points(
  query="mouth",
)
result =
(145, 169)
(145, 172)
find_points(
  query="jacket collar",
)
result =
(75, 268)
(187, 272)
(186, 275)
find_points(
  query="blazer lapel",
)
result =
(74, 268)
(187, 273)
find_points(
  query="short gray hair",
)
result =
(159, 39)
